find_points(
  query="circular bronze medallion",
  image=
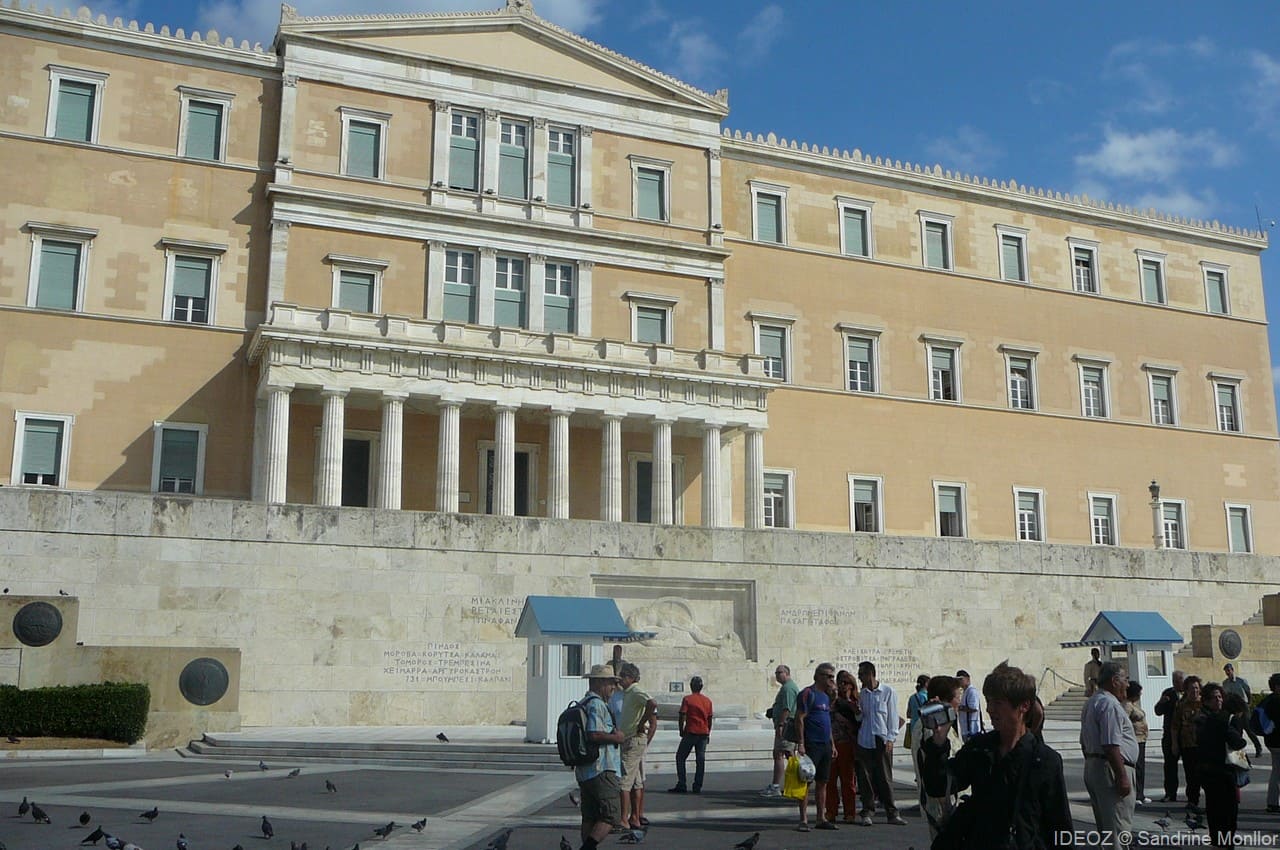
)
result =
(204, 681)
(37, 624)
(1229, 643)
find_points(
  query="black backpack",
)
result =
(575, 748)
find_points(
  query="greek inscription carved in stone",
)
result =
(444, 666)
(893, 665)
(37, 624)
(500, 610)
(1230, 643)
(204, 681)
(816, 615)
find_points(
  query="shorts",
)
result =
(780, 745)
(601, 802)
(820, 753)
(633, 750)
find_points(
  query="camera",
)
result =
(935, 714)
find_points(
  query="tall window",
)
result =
(57, 281)
(464, 151)
(943, 383)
(1093, 391)
(651, 188)
(651, 324)
(1152, 271)
(1172, 525)
(1239, 528)
(777, 500)
(513, 160)
(1013, 254)
(1215, 290)
(558, 302)
(949, 499)
(855, 228)
(860, 360)
(935, 238)
(561, 166)
(41, 448)
(509, 293)
(1084, 268)
(364, 135)
(1163, 410)
(1022, 382)
(356, 291)
(572, 661)
(75, 104)
(769, 217)
(1228, 404)
(192, 287)
(864, 496)
(771, 342)
(1102, 520)
(459, 286)
(1029, 514)
(178, 458)
(204, 124)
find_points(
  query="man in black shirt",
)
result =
(1164, 708)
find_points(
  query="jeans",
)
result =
(1141, 771)
(1170, 765)
(698, 744)
(1273, 784)
(1191, 765)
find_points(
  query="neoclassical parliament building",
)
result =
(474, 263)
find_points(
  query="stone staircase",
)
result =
(1067, 706)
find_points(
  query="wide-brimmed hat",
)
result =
(601, 671)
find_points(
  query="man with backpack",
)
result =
(598, 782)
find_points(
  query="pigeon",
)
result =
(62, 592)
(6, 590)
(297, 771)
(181, 843)
(330, 787)
(262, 765)
(38, 814)
(13, 739)
(84, 818)
(635, 836)
(129, 845)
(226, 773)
(384, 831)
(237, 847)
(113, 843)
(440, 736)
(267, 829)
(499, 842)
(1163, 823)
(302, 846)
(573, 798)
(419, 825)
(151, 816)
(564, 844)
(93, 837)
(23, 808)
(748, 843)
(293, 845)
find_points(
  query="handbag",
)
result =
(1239, 760)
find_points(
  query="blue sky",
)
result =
(1174, 105)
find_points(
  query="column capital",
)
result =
(437, 244)
(488, 251)
(663, 419)
(537, 258)
(442, 106)
(281, 223)
(713, 154)
(586, 265)
(506, 405)
(755, 429)
(394, 395)
(450, 401)
(712, 426)
(612, 415)
(290, 81)
(278, 388)
(539, 123)
(585, 131)
(715, 282)
(334, 392)
(562, 410)
(491, 114)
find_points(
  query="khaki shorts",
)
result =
(633, 749)
(601, 801)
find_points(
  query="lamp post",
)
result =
(1157, 532)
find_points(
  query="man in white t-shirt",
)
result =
(970, 710)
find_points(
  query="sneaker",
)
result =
(866, 820)
(897, 820)
(1146, 801)
(826, 824)
(771, 791)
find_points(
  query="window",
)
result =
(177, 461)
(651, 317)
(1102, 520)
(203, 130)
(192, 284)
(773, 342)
(777, 500)
(41, 447)
(464, 150)
(1021, 367)
(59, 263)
(1239, 528)
(769, 212)
(572, 661)
(944, 370)
(558, 302)
(364, 136)
(1215, 289)
(1164, 410)
(357, 283)
(1084, 266)
(459, 286)
(935, 237)
(1227, 395)
(561, 166)
(1029, 514)
(855, 228)
(651, 188)
(1172, 525)
(1093, 390)
(509, 293)
(1013, 253)
(75, 104)
(1151, 269)
(949, 499)
(513, 160)
(860, 359)
(867, 513)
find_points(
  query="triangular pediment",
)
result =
(508, 43)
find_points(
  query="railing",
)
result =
(1049, 671)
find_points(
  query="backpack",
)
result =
(572, 743)
(1260, 722)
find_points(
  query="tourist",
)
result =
(1133, 707)
(1110, 754)
(1217, 731)
(695, 721)
(813, 721)
(1165, 706)
(914, 703)
(1018, 793)
(879, 729)
(939, 797)
(600, 798)
(842, 790)
(1233, 684)
(1271, 709)
(971, 722)
(1184, 738)
(784, 706)
(1091, 669)
(639, 723)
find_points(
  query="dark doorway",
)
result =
(522, 482)
(355, 472)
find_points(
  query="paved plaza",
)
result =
(464, 808)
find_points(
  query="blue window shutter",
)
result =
(363, 142)
(935, 245)
(855, 233)
(558, 314)
(204, 130)
(459, 302)
(191, 276)
(649, 204)
(463, 163)
(75, 111)
(651, 325)
(512, 171)
(508, 308)
(1151, 290)
(178, 453)
(41, 447)
(1011, 250)
(355, 291)
(1217, 283)
(768, 218)
(560, 168)
(59, 273)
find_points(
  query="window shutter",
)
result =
(1011, 252)
(768, 220)
(508, 308)
(1102, 508)
(1217, 303)
(355, 291)
(855, 233)
(1227, 396)
(1027, 502)
(864, 491)
(860, 350)
(651, 325)
(75, 111)
(178, 452)
(204, 130)
(772, 342)
(942, 358)
(1172, 513)
(1151, 282)
(560, 179)
(191, 276)
(463, 161)
(512, 160)
(41, 447)
(649, 187)
(558, 316)
(1160, 389)
(59, 273)
(948, 500)
(1239, 533)
(362, 149)
(935, 249)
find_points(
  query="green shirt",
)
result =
(634, 701)
(785, 700)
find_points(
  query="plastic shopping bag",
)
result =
(792, 785)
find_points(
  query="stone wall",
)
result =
(361, 616)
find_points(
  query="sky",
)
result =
(1173, 105)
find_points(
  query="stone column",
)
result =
(611, 469)
(329, 474)
(440, 152)
(391, 451)
(447, 456)
(712, 487)
(754, 479)
(663, 510)
(558, 468)
(277, 459)
(504, 461)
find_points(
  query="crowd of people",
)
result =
(839, 733)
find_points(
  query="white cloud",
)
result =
(1275, 375)
(1157, 154)
(1180, 202)
(694, 52)
(760, 33)
(967, 149)
(1264, 94)
(257, 20)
